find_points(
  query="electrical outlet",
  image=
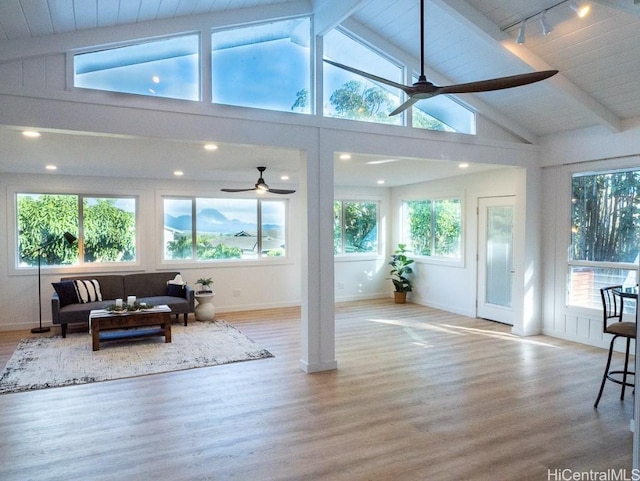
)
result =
(340, 285)
(236, 293)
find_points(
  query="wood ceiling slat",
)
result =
(86, 13)
(60, 18)
(38, 18)
(167, 8)
(14, 23)
(148, 10)
(108, 13)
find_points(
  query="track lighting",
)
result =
(520, 39)
(546, 28)
(582, 9)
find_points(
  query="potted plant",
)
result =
(204, 282)
(400, 269)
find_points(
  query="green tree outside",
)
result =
(360, 226)
(43, 220)
(605, 217)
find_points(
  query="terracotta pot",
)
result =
(399, 297)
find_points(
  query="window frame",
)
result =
(374, 51)
(309, 75)
(260, 258)
(571, 263)
(458, 261)
(375, 253)
(71, 65)
(81, 265)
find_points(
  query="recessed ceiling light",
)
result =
(463, 165)
(284, 177)
(210, 147)
(380, 182)
(31, 134)
(178, 173)
(51, 167)
(155, 79)
(345, 156)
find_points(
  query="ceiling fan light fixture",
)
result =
(546, 28)
(520, 39)
(581, 9)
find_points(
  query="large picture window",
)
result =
(433, 228)
(105, 227)
(210, 229)
(355, 227)
(167, 68)
(605, 229)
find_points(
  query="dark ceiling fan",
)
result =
(423, 89)
(261, 186)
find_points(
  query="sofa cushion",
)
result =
(67, 292)
(176, 290)
(111, 285)
(176, 304)
(88, 290)
(147, 283)
(80, 312)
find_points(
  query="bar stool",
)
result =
(612, 304)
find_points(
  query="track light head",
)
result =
(520, 39)
(582, 9)
(546, 28)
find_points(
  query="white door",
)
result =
(495, 258)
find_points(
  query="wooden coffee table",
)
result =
(110, 326)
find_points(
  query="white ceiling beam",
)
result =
(623, 5)
(329, 13)
(488, 30)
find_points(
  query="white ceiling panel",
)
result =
(598, 57)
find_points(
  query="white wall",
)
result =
(453, 287)
(276, 283)
(564, 154)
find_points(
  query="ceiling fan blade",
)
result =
(496, 83)
(237, 190)
(281, 191)
(408, 103)
(375, 78)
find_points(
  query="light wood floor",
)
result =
(419, 394)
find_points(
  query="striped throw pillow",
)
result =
(88, 290)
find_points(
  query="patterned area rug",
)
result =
(45, 362)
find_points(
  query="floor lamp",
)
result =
(70, 238)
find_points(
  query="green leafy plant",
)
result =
(205, 282)
(400, 269)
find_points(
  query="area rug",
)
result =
(45, 362)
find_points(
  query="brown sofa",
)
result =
(149, 287)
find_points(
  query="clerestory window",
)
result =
(168, 68)
(263, 66)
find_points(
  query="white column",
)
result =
(318, 310)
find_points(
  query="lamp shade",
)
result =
(70, 238)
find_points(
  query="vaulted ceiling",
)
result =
(598, 57)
